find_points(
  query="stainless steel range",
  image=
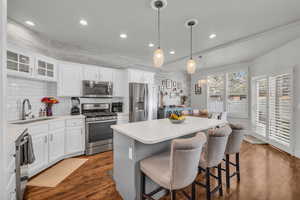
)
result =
(99, 135)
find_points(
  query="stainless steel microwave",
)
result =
(97, 89)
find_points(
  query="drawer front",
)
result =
(56, 125)
(38, 129)
(74, 122)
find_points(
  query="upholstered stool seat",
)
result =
(176, 169)
(157, 168)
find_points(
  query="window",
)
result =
(228, 92)
(216, 89)
(237, 94)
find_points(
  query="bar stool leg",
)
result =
(227, 170)
(237, 159)
(193, 191)
(208, 195)
(143, 185)
(173, 195)
(220, 179)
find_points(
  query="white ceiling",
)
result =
(230, 20)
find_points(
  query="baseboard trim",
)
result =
(297, 153)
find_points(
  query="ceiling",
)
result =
(231, 20)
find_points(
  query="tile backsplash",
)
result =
(19, 89)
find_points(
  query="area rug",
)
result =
(56, 174)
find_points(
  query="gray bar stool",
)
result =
(212, 157)
(233, 147)
(174, 170)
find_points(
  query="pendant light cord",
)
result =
(191, 43)
(158, 30)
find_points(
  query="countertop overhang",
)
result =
(156, 131)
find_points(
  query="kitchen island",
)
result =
(135, 141)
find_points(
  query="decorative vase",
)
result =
(49, 109)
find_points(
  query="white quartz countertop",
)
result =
(155, 131)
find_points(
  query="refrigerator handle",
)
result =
(146, 106)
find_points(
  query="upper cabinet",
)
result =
(106, 74)
(19, 62)
(91, 73)
(70, 80)
(45, 68)
(140, 76)
(120, 83)
(22, 63)
(95, 73)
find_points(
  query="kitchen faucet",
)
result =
(26, 115)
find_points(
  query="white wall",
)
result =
(19, 89)
(181, 77)
(3, 174)
(278, 60)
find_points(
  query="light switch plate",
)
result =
(130, 153)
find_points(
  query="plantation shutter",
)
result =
(216, 90)
(261, 107)
(280, 108)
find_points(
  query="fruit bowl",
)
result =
(176, 121)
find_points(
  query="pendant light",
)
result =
(191, 63)
(158, 55)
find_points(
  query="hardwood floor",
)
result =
(266, 174)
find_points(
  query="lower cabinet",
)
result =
(56, 145)
(40, 148)
(74, 140)
(55, 141)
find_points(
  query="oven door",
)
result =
(99, 133)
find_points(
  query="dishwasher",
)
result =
(21, 169)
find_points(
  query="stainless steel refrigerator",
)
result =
(138, 102)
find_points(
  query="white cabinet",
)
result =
(19, 62)
(70, 80)
(119, 83)
(96, 73)
(106, 74)
(40, 147)
(45, 68)
(55, 140)
(56, 144)
(91, 73)
(140, 76)
(74, 140)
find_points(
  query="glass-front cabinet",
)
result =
(19, 63)
(45, 68)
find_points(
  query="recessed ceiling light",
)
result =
(172, 52)
(151, 44)
(30, 23)
(123, 35)
(83, 22)
(212, 36)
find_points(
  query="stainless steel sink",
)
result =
(31, 120)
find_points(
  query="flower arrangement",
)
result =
(49, 101)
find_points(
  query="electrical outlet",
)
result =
(130, 153)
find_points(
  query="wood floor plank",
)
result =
(266, 174)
